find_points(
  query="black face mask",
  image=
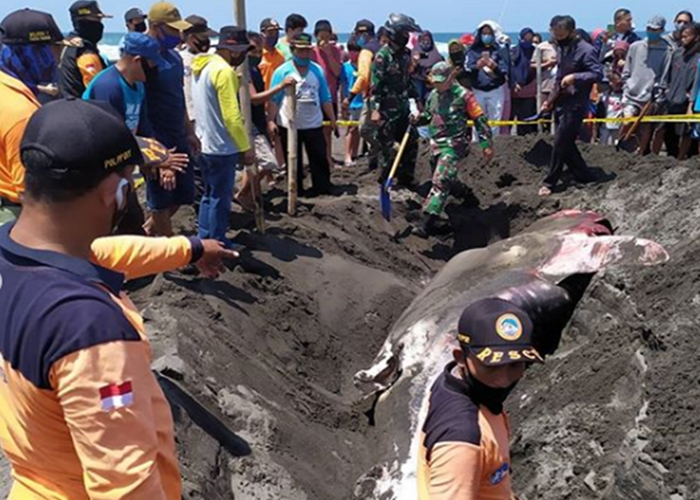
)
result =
(91, 31)
(202, 46)
(150, 72)
(491, 398)
(140, 27)
(457, 59)
(399, 40)
(565, 42)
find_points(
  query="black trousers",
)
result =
(521, 109)
(314, 143)
(569, 121)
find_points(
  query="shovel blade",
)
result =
(385, 202)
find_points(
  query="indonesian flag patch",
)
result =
(116, 396)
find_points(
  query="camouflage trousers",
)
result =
(390, 133)
(448, 162)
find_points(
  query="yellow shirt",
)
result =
(18, 105)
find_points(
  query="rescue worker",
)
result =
(81, 414)
(465, 452)
(389, 102)
(81, 63)
(579, 69)
(448, 109)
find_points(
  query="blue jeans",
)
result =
(218, 176)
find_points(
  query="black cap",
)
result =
(323, 25)
(27, 26)
(497, 332)
(200, 26)
(234, 39)
(268, 23)
(134, 13)
(302, 41)
(86, 8)
(364, 26)
(81, 138)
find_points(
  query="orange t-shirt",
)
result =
(271, 60)
(464, 452)
(18, 105)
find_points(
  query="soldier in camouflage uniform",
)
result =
(389, 98)
(448, 109)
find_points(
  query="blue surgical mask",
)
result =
(487, 39)
(361, 42)
(653, 36)
(169, 41)
(301, 61)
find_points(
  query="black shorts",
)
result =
(327, 118)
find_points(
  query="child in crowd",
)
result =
(612, 97)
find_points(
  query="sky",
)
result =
(436, 15)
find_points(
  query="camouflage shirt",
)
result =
(391, 81)
(447, 116)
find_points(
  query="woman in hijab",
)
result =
(524, 93)
(425, 55)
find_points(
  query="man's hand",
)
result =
(376, 117)
(248, 157)
(194, 143)
(568, 81)
(290, 81)
(481, 63)
(211, 265)
(336, 130)
(176, 161)
(414, 118)
(272, 129)
(168, 179)
(546, 107)
(488, 155)
(517, 89)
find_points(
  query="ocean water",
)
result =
(110, 43)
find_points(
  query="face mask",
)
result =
(653, 36)
(272, 39)
(526, 45)
(168, 42)
(200, 46)
(492, 398)
(361, 42)
(301, 61)
(457, 59)
(237, 59)
(565, 42)
(151, 73)
(426, 46)
(399, 40)
(487, 39)
(140, 27)
(254, 60)
(91, 31)
(681, 26)
(122, 197)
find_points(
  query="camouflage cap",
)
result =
(441, 72)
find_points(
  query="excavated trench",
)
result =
(272, 346)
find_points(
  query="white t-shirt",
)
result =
(312, 93)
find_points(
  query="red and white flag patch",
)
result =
(115, 396)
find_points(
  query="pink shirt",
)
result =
(323, 59)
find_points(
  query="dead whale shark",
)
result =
(544, 270)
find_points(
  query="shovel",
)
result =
(633, 129)
(384, 195)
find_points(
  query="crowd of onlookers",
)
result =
(202, 123)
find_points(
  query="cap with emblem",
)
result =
(657, 23)
(269, 23)
(134, 13)
(29, 26)
(234, 39)
(364, 26)
(200, 26)
(497, 332)
(441, 72)
(166, 13)
(302, 41)
(87, 8)
(81, 138)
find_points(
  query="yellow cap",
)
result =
(167, 13)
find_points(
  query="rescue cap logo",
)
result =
(509, 327)
(84, 12)
(39, 36)
(118, 160)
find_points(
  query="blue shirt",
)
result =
(347, 81)
(312, 93)
(109, 85)
(166, 103)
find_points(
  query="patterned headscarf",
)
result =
(32, 64)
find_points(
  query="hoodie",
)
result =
(218, 117)
(487, 79)
(683, 78)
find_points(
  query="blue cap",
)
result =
(139, 44)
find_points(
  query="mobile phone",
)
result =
(486, 54)
(611, 28)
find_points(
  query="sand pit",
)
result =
(272, 346)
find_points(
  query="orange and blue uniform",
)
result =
(81, 414)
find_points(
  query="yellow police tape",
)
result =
(510, 123)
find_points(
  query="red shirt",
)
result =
(324, 59)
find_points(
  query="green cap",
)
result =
(441, 72)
